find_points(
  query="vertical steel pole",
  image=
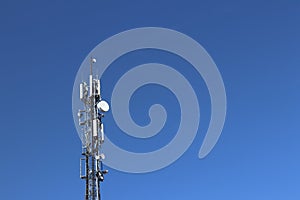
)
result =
(86, 175)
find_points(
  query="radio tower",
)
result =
(90, 119)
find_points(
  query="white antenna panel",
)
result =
(91, 85)
(95, 127)
(97, 87)
(102, 133)
(82, 90)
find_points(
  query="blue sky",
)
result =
(255, 45)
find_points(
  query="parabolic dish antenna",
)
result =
(103, 106)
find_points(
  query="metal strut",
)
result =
(86, 176)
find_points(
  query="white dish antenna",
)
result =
(103, 106)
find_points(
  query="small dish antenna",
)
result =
(103, 106)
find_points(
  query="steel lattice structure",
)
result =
(90, 119)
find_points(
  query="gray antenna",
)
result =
(90, 120)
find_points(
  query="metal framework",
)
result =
(90, 119)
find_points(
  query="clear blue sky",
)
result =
(255, 45)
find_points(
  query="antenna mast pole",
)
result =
(91, 121)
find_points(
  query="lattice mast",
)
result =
(90, 119)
